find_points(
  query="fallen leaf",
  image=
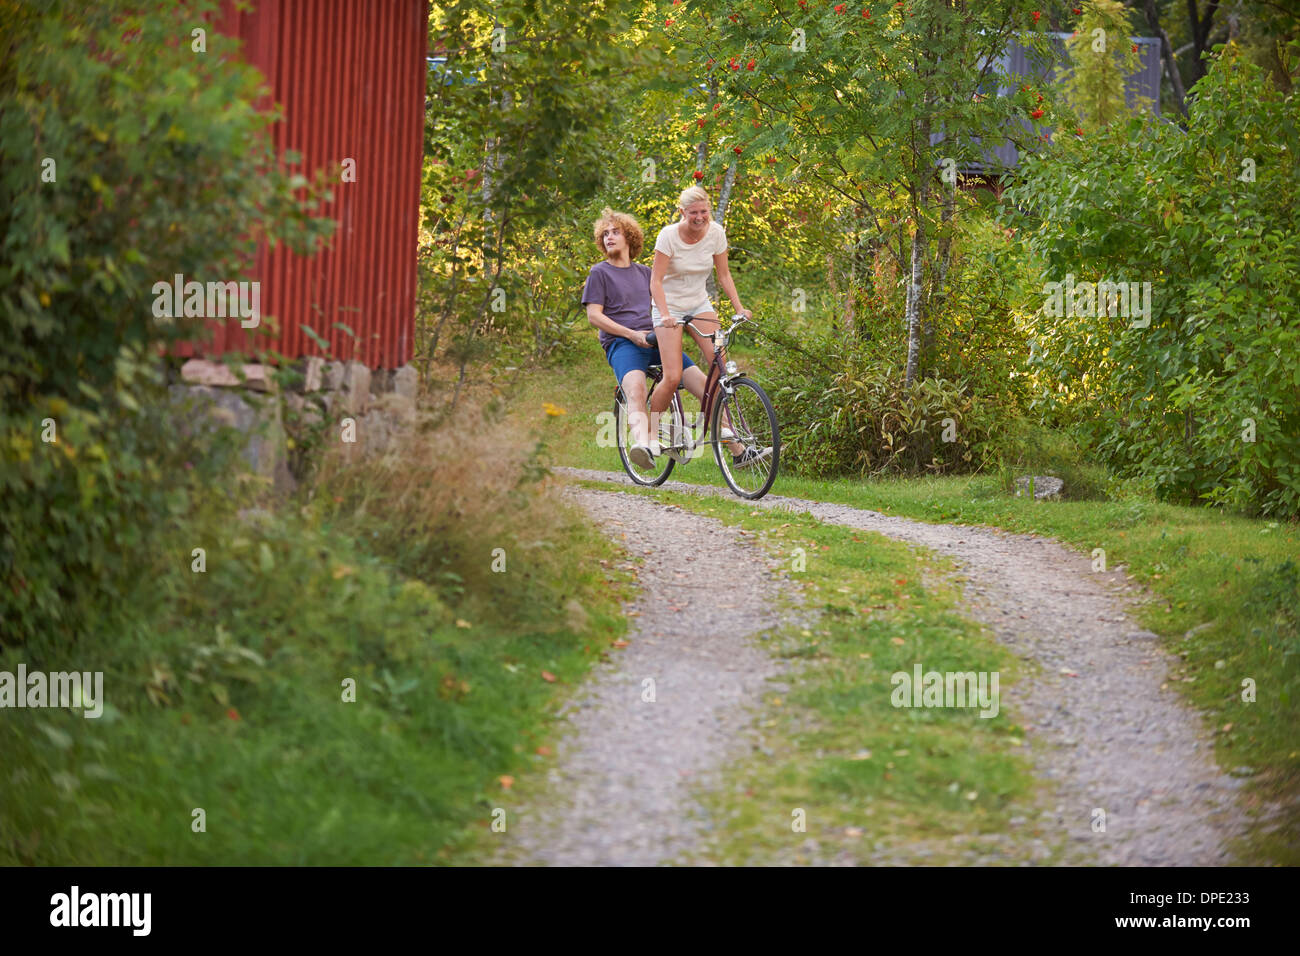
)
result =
(620, 643)
(506, 782)
(461, 622)
(897, 640)
(543, 751)
(548, 677)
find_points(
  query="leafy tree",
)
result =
(1101, 58)
(1202, 396)
(872, 102)
(521, 107)
(125, 157)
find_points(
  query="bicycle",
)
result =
(731, 400)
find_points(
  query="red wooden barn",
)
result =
(349, 76)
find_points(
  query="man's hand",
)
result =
(638, 337)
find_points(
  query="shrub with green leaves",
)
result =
(1205, 400)
(126, 156)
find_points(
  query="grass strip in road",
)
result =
(1226, 601)
(866, 774)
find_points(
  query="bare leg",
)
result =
(634, 390)
(702, 329)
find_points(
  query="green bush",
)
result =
(856, 417)
(1205, 401)
(126, 157)
(842, 403)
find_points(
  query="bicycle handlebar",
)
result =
(736, 320)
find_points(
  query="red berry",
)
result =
(668, 22)
(866, 14)
(839, 8)
(1036, 15)
(736, 150)
(698, 175)
(1135, 47)
(750, 65)
(1036, 114)
(1078, 131)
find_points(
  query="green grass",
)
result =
(863, 771)
(1226, 588)
(285, 770)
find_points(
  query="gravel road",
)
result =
(1103, 726)
(627, 766)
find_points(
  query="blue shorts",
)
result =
(625, 356)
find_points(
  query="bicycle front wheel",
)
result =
(748, 412)
(663, 465)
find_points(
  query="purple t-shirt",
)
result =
(624, 294)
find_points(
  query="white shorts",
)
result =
(657, 320)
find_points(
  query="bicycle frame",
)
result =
(718, 374)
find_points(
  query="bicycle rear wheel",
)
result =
(754, 422)
(663, 465)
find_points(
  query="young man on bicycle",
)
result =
(617, 297)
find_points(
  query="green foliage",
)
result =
(125, 158)
(1207, 217)
(225, 691)
(854, 416)
(519, 134)
(1101, 62)
(841, 396)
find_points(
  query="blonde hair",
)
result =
(691, 195)
(630, 228)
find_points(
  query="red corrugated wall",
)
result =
(350, 78)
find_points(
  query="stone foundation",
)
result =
(381, 405)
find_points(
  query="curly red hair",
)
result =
(630, 228)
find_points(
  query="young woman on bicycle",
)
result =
(686, 252)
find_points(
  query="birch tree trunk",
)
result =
(913, 314)
(943, 256)
(720, 216)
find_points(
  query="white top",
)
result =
(689, 265)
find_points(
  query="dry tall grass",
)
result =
(443, 496)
